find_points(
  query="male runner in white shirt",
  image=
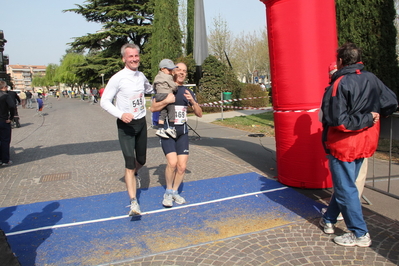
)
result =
(129, 87)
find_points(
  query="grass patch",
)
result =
(257, 123)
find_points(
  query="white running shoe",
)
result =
(134, 208)
(171, 132)
(328, 228)
(350, 240)
(161, 133)
(167, 200)
(178, 199)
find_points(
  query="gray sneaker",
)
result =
(350, 240)
(134, 208)
(178, 199)
(328, 228)
(171, 132)
(167, 200)
(161, 133)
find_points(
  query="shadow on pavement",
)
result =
(31, 154)
(256, 155)
(25, 245)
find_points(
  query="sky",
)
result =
(38, 32)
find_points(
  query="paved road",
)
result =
(73, 151)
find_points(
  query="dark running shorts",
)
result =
(179, 144)
(133, 141)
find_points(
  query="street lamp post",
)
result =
(102, 78)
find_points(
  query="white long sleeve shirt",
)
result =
(129, 88)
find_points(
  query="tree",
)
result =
(251, 53)
(123, 21)
(190, 27)
(220, 39)
(89, 72)
(50, 77)
(369, 24)
(166, 34)
(66, 73)
(396, 3)
(217, 78)
(47, 80)
(38, 80)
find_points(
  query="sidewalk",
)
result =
(73, 152)
(228, 113)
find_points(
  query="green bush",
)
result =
(217, 78)
(253, 90)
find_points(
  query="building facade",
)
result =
(22, 75)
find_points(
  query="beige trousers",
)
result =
(361, 178)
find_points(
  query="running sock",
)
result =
(169, 191)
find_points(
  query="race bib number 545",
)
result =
(181, 114)
(137, 106)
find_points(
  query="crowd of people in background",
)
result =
(33, 98)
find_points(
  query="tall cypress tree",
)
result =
(370, 25)
(190, 27)
(166, 39)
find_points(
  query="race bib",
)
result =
(181, 114)
(137, 105)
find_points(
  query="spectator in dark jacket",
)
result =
(7, 111)
(351, 108)
(17, 101)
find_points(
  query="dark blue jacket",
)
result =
(7, 107)
(349, 132)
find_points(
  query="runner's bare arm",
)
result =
(158, 106)
(197, 109)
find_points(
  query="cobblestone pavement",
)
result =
(72, 151)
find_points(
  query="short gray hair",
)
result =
(3, 84)
(129, 45)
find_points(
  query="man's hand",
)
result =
(376, 117)
(127, 117)
(189, 97)
(8, 121)
(158, 106)
(170, 98)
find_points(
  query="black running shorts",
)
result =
(133, 141)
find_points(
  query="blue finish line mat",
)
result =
(97, 230)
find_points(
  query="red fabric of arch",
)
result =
(302, 44)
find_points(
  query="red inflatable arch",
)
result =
(302, 43)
